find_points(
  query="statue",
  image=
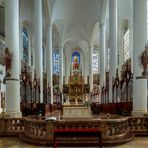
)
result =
(7, 61)
(144, 61)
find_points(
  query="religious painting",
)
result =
(75, 69)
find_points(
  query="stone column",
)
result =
(131, 43)
(113, 43)
(12, 42)
(91, 69)
(38, 44)
(61, 71)
(49, 63)
(139, 41)
(102, 55)
(85, 68)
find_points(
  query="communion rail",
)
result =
(42, 132)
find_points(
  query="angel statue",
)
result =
(144, 61)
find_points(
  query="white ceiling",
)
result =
(76, 22)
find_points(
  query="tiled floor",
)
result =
(14, 142)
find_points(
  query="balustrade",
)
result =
(42, 131)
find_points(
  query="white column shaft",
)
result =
(91, 70)
(112, 42)
(139, 40)
(50, 69)
(61, 69)
(102, 55)
(12, 42)
(38, 44)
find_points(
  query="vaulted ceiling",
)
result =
(75, 22)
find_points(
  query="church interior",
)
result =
(73, 73)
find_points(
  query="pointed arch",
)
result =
(96, 26)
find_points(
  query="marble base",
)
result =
(76, 112)
(14, 114)
(138, 113)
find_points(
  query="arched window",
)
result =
(77, 54)
(25, 45)
(95, 61)
(126, 43)
(56, 62)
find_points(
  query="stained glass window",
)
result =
(126, 43)
(77, 54)
(25, 45)
(95, 61)
(56, 62)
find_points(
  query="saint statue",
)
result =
(7, 61)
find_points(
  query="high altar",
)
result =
(77, 95)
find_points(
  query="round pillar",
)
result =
(12, 42)
(49, 63)
(139, 41)
(102, 55)
(91, 70)
(61, 71)
(112, 43)
(38, 44)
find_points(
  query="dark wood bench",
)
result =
(78, 133)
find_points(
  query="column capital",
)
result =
(101, 25)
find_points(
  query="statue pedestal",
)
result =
(76, 112)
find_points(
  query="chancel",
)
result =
(74, 72)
